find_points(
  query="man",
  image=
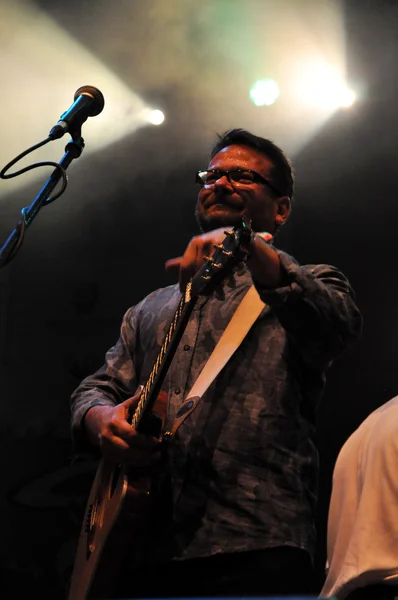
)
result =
(244, 463)
(362, 541)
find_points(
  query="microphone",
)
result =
(88, 102)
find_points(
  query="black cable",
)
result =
(21, 226)
(46, 163)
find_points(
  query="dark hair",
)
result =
(282, 173)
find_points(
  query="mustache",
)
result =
(230, 200)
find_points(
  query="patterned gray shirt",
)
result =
(244, 463)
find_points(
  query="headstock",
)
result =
(233, 249)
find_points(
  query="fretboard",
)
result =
(163, 359)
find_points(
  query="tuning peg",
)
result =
(212, 263)
(221, 247)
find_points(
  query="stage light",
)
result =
(264, 92)
(347, 98)
(156, 117)
(322, 86)
(39, 90)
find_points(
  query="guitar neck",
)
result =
(226, 255)
(162, 362)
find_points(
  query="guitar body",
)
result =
(128, 512)
(116, 510)
(116, 521)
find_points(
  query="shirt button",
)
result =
(177, 391)
(187, 347)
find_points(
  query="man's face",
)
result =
(224, 202)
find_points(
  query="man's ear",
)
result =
(283, 210)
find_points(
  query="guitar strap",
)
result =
(243, 318)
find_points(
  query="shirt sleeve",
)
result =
(113, 383)
(316, 306)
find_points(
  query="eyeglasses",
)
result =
(235, 177)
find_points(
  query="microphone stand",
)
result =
(73, 150)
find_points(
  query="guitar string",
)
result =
(156, 367)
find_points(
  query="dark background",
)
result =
(128, 207)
